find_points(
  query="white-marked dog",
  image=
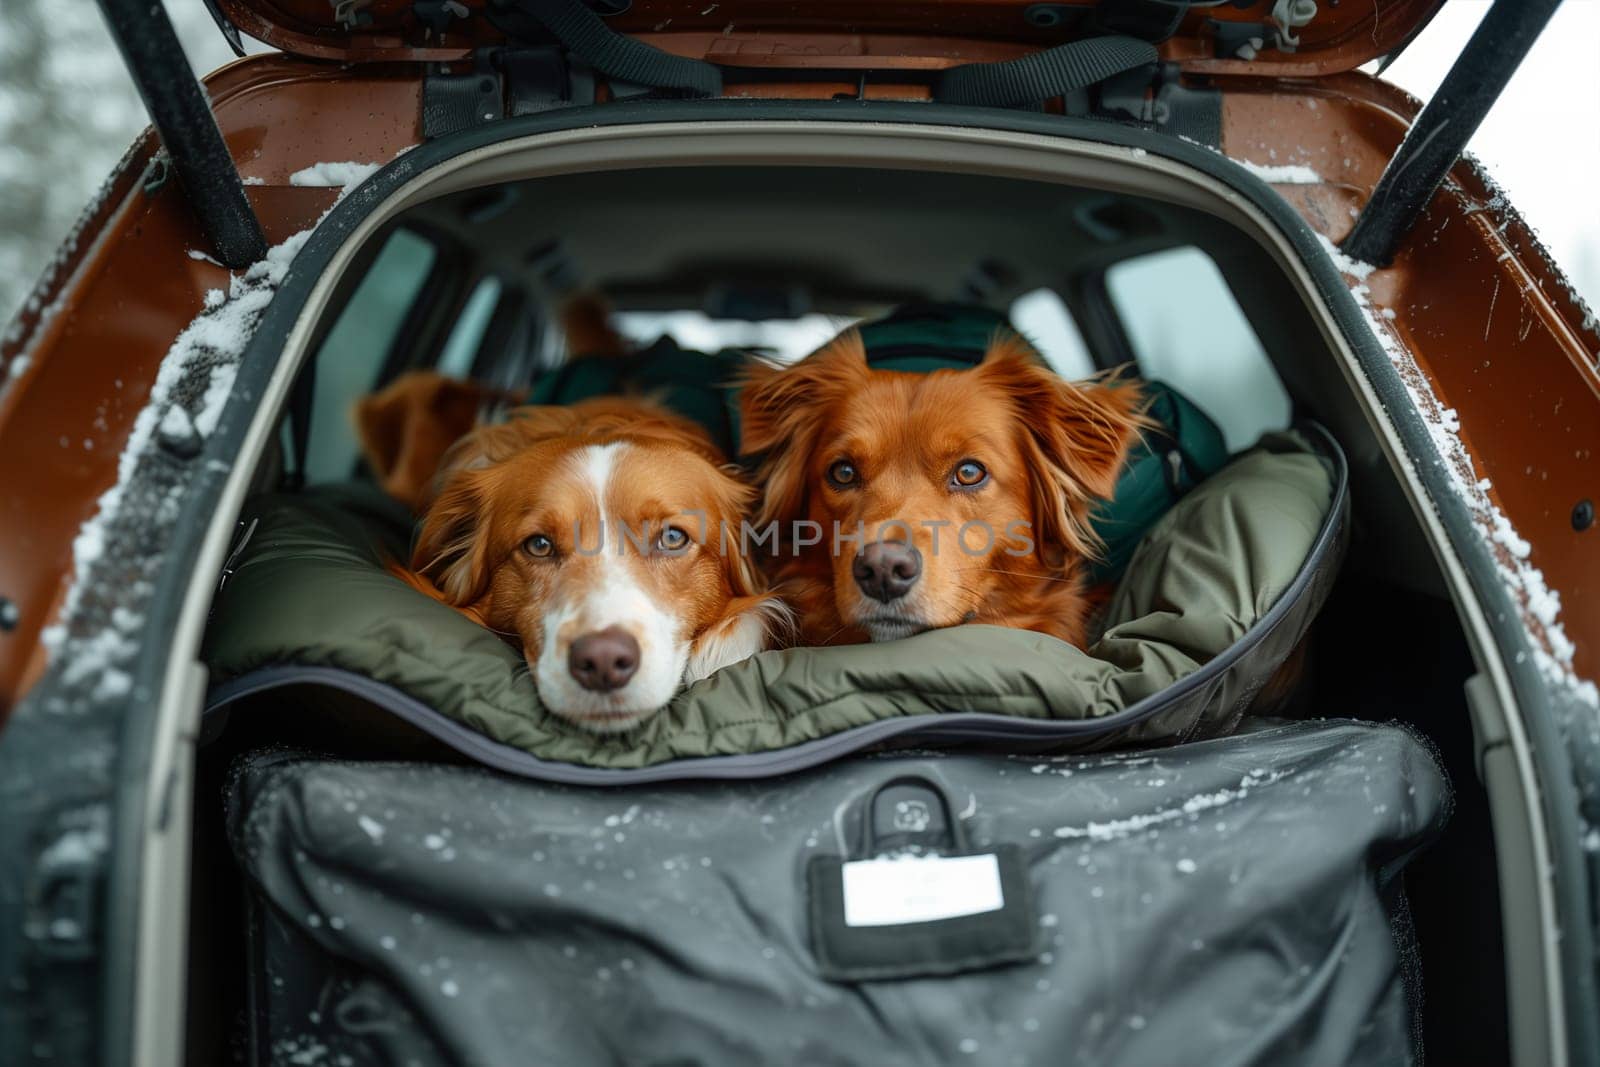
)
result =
(592, 535)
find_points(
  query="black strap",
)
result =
(620, 57)
(1042, 75)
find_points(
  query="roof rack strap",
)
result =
(1042, 75)
(620, 57)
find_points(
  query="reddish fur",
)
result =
(503, 483)
(405, 428)
(422, 585)
(1053, 449)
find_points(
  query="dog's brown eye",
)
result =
(969, 474)
(539, 546)
(672, 539)
(842, 473)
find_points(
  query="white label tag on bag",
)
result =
(919, 889)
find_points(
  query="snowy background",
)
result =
(68, 111)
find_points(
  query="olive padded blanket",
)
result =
(1214, 598)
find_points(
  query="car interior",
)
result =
(776, 260)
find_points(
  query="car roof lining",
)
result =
(661, 238)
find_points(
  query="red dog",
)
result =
(906, 501)
(591, 535)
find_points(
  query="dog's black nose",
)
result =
(886, 570)
(604, 660)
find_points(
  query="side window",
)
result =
(461, 347)
(1187, 330)
(1042, 318)
(353, 355)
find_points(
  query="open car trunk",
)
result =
(757, 221)
(202, 765)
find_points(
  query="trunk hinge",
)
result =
(1280, 32)
(182, 117)
(499, 83)
(1444, 125)
(1156, 96)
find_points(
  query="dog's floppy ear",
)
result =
(780, 418)
(750, 624)
(406, 429)
(381, 421)
(753, 619)
(726, 519)
(1076, 436)
(451, 549)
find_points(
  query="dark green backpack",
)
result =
(1182, 450)
(697, 385)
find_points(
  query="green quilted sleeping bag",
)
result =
(1215, 596)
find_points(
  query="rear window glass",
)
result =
(1039, 315)
(1187, 330)
(461, 347)
(1043, 318)
(353, 356)
(784, 339)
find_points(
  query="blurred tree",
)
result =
(68, 111)
(26, 113)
